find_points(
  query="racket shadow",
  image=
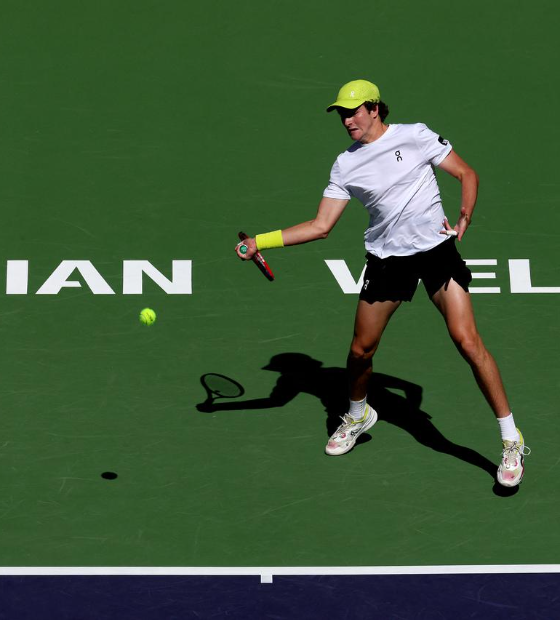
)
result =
(218, 387)
(398, 402)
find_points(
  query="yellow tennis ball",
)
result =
(147, 316)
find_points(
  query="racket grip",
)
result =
(242, 236)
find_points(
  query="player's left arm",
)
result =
(458, 168)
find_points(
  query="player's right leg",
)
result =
(369, 325)
(371, 320)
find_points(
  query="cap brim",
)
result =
(349, 104)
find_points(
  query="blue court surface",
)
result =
(410, 597)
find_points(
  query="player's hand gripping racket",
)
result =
(258, 259)
(218, 386)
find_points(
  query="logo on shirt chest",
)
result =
(398, 155)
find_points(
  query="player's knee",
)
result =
(470, 345)
(362, 351)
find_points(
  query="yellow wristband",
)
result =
(270, 240)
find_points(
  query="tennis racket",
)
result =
(259, 260)
(218, 386)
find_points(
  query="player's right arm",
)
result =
(328, 214)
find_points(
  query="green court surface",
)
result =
(155, 131)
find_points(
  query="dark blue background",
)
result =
(433, 597)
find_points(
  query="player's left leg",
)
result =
(456, 307)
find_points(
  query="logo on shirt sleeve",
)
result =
(441, 140)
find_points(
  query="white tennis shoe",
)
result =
(511, 469)
(345, 436)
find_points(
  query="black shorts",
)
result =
(395, 278)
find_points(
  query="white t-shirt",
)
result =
(394, 179)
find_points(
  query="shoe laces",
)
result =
(347, 422)
(512, 451)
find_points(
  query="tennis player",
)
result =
(390, 169)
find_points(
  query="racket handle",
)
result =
(257, 258)
(243, 248)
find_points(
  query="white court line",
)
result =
(266, 573)
(481, 261)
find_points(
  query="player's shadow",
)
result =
(396, 401)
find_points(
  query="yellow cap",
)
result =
(353, 94)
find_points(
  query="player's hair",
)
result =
(382, 107)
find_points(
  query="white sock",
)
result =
(357, 409)
(507, 428)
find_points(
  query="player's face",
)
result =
(359, 123)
